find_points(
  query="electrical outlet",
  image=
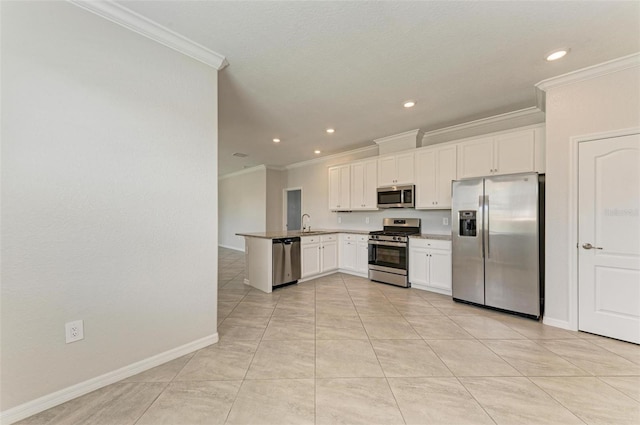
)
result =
(339, 220)
(445, 221)
(366, 220)
(74, 331)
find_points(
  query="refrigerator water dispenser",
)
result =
(467, 223)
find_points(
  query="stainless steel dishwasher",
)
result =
(286, 261)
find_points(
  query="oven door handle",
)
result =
(386, 243)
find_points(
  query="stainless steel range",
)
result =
(389, 251)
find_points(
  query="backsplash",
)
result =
(432, 220)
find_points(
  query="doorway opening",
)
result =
(292, 209)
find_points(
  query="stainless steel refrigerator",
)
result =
(497, 231)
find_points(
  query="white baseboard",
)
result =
(48, 401)
(431, 289)
(353, 273)
(563, 324)
(315, 276)
(231, 247)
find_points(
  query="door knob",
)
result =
(589, 246)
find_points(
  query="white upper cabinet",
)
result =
(364, 176)
(475, 158)
(507, 153)
(515, 153)
(435, 170)
(339, 188)
(395, 170)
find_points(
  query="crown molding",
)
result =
(244, 171)
(417, 133)
(135, 22)
(594, 71)
(485, 121)
(334, 156)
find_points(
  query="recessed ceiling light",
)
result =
(409, 104)
(330, 130)
(276, 140)
(316, 152)
(557, 54)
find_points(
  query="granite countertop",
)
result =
(432, 236)
(295, 234)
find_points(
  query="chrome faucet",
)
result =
(302, 222)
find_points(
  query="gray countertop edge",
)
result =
(278, 235)
(432, 236)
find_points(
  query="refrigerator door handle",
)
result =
(481, 224)
(486, 204)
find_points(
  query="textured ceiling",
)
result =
(297, 68)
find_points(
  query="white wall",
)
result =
(109, 198)
(242, 206)
(313, 178)
(276, 181)
(605, 103)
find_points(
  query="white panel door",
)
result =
(608, 237)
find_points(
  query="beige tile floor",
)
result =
(343, 350)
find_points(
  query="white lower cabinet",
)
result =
(329, 249)
(430, 265)
(319, 254)
(362, 256)
(354, 253)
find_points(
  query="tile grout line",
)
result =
(556, 400)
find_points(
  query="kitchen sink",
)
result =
(313, 232)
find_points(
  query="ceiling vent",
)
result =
(240, 155)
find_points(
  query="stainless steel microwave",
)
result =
(396, 197)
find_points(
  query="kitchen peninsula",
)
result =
(318, 254)
(323, 252)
